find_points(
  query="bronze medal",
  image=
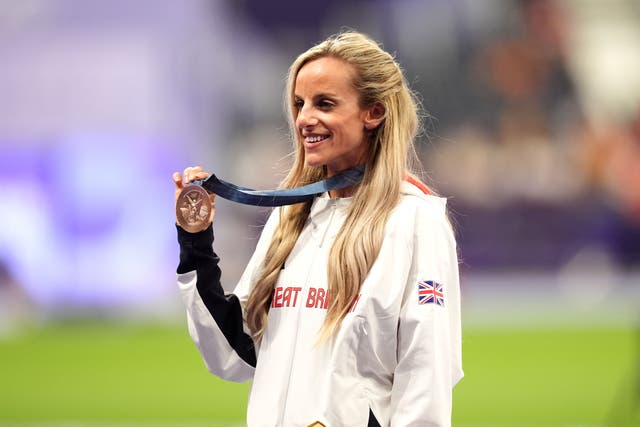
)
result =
(193, 208)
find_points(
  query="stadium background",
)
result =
(533, 131)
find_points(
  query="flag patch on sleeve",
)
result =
(430, 292)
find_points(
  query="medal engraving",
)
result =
(193, 209)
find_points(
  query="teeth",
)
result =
(315, 138)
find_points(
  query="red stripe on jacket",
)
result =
(414, 181)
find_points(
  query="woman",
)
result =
(348, 312)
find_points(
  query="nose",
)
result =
(306, 118)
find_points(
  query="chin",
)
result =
(314, 163)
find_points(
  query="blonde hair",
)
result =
(390, 154)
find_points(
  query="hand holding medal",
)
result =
(195, 206)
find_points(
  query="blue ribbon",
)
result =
(290, 196)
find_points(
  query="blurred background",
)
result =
(532, 130)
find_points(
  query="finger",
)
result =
(186, 174)
(200, 175)
(177, 180)
(191, 172)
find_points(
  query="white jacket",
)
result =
(397, 354)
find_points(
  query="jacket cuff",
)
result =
(195, 249)
(201, 239)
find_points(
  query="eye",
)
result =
(325, 103)
(298, 103)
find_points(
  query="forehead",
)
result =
(326, 74)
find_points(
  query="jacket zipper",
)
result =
(298, 314)
(326, 230)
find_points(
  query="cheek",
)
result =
(352, 127)
(357, 133)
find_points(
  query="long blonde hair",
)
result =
(378, 79)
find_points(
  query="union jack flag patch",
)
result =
(430, 292)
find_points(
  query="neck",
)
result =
(343, 192)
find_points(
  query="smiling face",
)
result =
(331, 124)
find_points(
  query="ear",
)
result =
(374, 116)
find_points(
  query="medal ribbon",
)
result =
(289, 196)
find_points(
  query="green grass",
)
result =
(112, 373)
(563, 377)
(88, 372)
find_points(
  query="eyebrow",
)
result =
(320, 95)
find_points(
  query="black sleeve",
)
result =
(196, 254)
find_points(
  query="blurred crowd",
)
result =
(544, 161)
